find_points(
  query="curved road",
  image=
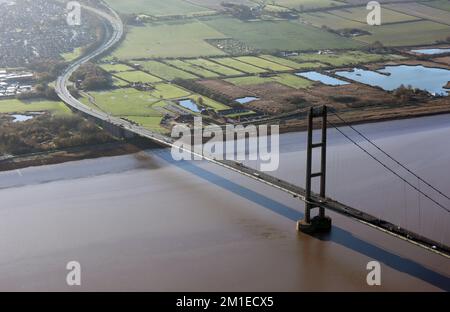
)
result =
(115, 35)
(62, 82)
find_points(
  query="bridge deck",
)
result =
(341, 208)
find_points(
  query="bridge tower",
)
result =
(319, 223)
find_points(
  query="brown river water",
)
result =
(144, 222)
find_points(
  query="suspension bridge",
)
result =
(313, 201)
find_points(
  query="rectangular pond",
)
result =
(431, 51)
(247, 99)
(315, 76)
(432, 80)
(191, 105)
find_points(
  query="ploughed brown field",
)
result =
(443, 60)
(277, 99)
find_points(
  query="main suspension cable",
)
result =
(391, 157)
(388, 168)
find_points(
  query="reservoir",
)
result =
(390, 78)
(147, 223)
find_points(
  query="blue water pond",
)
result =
(432, 80)
(315, 76)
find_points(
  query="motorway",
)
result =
(116, 32)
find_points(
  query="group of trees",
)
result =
(91, 77)
(346, 32)
(41, 90)
(47, 70)
(241, 11)
(408, 94)
(378, 48)
(134, 19)
(299, 101)
(446, 40)
(48, 132)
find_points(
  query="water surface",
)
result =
(390, 78)
(21, 118)
(315, 76)
(191, 105)
(431, 51)
(246, 100)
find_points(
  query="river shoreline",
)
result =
(137, 145)
(369, 117)
(74, 154)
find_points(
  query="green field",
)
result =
(168, 91)
(263, 63)
(209, 102)
(138, 76)
(125, 102)
(353, 18)
(311, 65)
(344, 59)
(422, 11)
(439, 4)
(289, 80)
(220, 69)
(320, 19)
(169, 40)
(292, 64)
(407, 34)
(10, 106)
(271, 36)
(155, 7)
(399, 27)
(165, 71)
(359, 14)
(149, 122)
(249, 80)
(244, 114)
(116, 68)
(144, 108)
(308, 4)
(199, 71)
(233, 63)
(119, 82)
(293, 81)
(131, 104)
(275, 8)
